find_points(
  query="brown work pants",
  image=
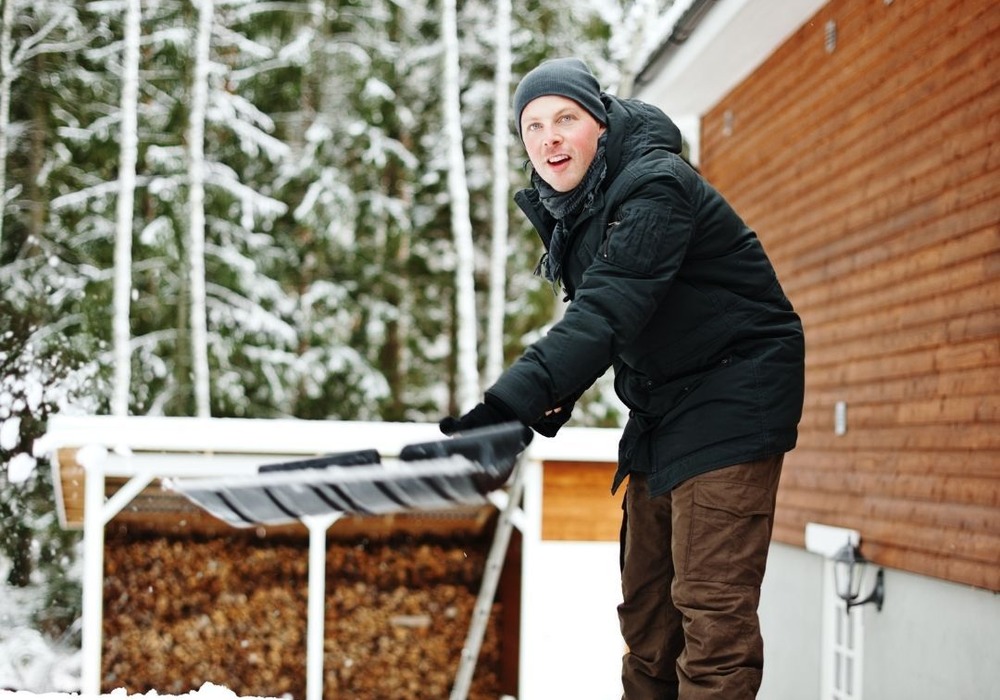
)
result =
(692, 564)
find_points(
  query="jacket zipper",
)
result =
(605, 250)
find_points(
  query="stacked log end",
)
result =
(180, 612)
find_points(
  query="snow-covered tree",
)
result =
(196, 207)
(635, 34)
(6, 78)
(36, 379)
(41, 28)
(126, 198)
(329, 262)
(468, 390)
(501, 196)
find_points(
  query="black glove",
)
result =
(490, 412)
(549, 425)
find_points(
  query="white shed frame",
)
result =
(142, 449)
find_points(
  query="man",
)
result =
(667, 285)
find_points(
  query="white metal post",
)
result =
(318, 525)
(488, 587)
(93, 577)
(535, 628)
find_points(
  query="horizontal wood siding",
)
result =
(577, 504)
(870, 171)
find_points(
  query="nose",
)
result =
(551, 137)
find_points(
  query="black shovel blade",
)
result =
(494, 449)
(339, 459)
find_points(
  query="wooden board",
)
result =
(577, 503)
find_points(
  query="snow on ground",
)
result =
(209, 691)
(28, 661)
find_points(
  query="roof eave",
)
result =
(714, 45)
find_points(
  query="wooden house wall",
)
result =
(577, 504)
(865, 153)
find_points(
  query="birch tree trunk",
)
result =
(501, 194)
(196, 203)
(126, 199)
(467, 390)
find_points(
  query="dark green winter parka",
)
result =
(669, 286)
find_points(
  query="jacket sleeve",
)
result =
(639, 257)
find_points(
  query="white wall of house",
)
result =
(932, 639)
(791, 620)
(571, 646)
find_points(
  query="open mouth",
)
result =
(558, 160)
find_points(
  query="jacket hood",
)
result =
(636, 128)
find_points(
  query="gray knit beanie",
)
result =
(566, 77)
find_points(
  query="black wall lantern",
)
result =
(848, 570)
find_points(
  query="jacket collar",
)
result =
(530, 203)
(634, 129)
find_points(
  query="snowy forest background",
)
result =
(261, 208)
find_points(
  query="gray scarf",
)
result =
(563, 205)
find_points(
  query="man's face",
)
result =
(560, 137)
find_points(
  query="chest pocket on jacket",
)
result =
(632, 241)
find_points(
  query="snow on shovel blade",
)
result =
(428, 476)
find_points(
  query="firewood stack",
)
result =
(180, 612)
